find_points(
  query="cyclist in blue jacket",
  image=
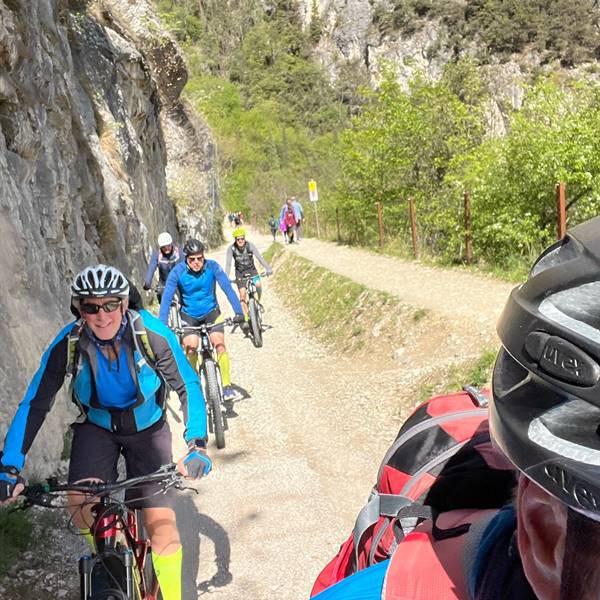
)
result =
(121, 361)
(196, 280)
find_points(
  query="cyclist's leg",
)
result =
(167, 554)
(218, 340)
(144, 453)
(94, 455)
(258, 284)
(190, 345)
(243, 296)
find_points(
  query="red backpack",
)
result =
(441, 460)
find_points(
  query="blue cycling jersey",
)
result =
(114, 384)
(198, 290)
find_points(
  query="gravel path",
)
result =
(302, 454)
(299, 462)
(455, 293)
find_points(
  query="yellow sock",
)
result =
(89, 538)
(193, 359)
(225, 366)
(168, 569)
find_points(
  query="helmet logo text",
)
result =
(559, 358)
(582, 494)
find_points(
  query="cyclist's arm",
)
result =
(226, 286)
(37, 401)
(168, 293)
(229, 258)
(172, 364)
(151, 268)
(259, 256)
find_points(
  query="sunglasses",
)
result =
(94, 309)
(195, 258)
(237, 239)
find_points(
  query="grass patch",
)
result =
(273, 252)
(342, 313)
(15, 536)
(419, 314)
(476, 372)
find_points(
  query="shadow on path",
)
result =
(193, 528)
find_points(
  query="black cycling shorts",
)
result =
(209, 319)
(242, 277)
(95, 453)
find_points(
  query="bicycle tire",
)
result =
(214, 393)
(106, 573)
(255, 323)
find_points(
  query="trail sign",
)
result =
(312, 191)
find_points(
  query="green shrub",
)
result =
(15, 536)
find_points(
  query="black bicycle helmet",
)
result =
(193, 246)
(100, 281)
(545, 413)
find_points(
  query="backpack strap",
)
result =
(140, 339)
(73, 349)
(384, 505)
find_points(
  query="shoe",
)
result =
(245, 327)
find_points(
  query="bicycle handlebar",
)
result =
(248, 277)
(205, 326)
(41, 494)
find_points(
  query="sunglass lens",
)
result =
(90, 309)
(111, 305)
(94, 309)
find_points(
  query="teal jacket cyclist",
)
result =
(120, 360)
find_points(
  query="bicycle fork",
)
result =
(86, 566)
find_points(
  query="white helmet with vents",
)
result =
(99, 282)
(164, 239)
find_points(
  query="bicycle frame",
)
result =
(111, 522)
(121, 550)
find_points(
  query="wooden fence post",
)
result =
(413, 225)
(561, 209)
(337, 224)
(468, 231)
(380, 220)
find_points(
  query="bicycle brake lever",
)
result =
(185, 488)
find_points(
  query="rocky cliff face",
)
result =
(349, 36)
(89, 121)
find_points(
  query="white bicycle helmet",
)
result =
(164, 239)
(99, 282)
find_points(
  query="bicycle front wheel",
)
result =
(214, 394)
(255, 323)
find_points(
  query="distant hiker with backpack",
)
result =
(452, 516)
(272, 223)
(120, 392)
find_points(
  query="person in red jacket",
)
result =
(545, 417)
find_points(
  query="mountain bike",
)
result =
(255, 310)
(121, 568)
(210, 375)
